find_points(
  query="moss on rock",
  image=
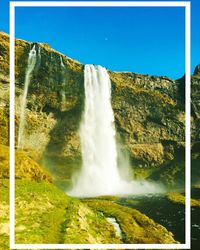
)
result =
(180, 199)
(136, 227)
(25, 167)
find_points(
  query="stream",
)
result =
(116, 226)
(170, 215)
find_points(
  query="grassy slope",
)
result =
(44, 214)
(4, 214)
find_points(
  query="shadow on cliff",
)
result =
(172, 172)
(62, 155)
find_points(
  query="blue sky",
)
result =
(142, 40)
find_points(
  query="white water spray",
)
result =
(100, 174)
(31, 64)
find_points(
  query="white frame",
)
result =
(187, 244)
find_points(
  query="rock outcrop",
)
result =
(25, 167)
(149, 113)
(197, 70)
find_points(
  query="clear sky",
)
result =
(143, 40)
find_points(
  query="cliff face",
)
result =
(195, 109)
(149, 113)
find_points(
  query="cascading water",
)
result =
(32, 58)
(97, 135)
(61, 62)
(63, 81)
(100, 174)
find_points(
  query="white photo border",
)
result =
(186, 5)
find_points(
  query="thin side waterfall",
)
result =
(61, 62)
(63, 81)
(32, 58)
(100, 173)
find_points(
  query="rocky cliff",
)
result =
(195, 109)
(149, 114)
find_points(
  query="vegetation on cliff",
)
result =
(25, 167)
(44, 214)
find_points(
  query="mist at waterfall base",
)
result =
(100, 172)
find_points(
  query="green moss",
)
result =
(125, 83)
(142, 173)
(4, 125)
(108, 197)
(180, 199)
(197, 185)
(88, 227)
(25, 167)
(4, 212)
(130, 201)
(4, 161)
(176, 197)
(136, 227)
(171, 174)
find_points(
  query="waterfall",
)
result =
(61, 62)
(63, 82)
(31, 64)
(97, 134)
(100, 173)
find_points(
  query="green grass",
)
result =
(180, 199)
(40, 209)
(45, 214)
(136, 227)
(4, 214)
